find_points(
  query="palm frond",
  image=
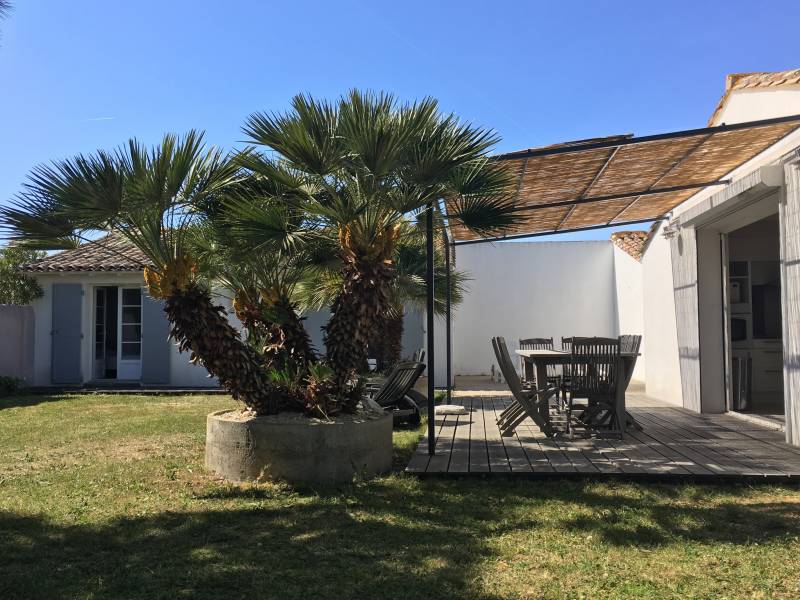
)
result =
(308, 136)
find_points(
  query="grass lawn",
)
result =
(106, 497)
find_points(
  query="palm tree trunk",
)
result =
(357, 310)
(393, 340)
(288, 341)
(201, 328)
(386, 340)
(282, 342)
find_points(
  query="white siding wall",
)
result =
(630, 309)
(529, 289)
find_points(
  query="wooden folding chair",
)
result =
(526, 403)
(553, 375)
(593, 375)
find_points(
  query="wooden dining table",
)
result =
(537, 361)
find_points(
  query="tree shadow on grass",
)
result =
(390, 538)
(321, 546)
(666, 514)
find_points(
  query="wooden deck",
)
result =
(675, 443)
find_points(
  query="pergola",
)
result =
(606, 182)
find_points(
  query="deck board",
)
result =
(673, 443)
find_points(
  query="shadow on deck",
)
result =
(674, 444)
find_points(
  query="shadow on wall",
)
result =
(16, 335)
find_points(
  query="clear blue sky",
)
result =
(82, 75)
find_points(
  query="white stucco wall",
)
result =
(529, 289)
(754, 104)
(16, 341)
(629, 303)
(662, 372)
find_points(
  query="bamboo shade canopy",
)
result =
(622, 179)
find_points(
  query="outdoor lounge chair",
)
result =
(527, 402)
(393, 394)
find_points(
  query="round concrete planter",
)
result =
(296, 449)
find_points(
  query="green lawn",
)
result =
(106, 497)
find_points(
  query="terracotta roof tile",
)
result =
(742, 81)
(110, 253)
(632, 242)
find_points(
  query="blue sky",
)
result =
(82, 75)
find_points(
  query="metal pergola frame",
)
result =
(582, 199)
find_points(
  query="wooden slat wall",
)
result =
(684, 277)
(790, 302)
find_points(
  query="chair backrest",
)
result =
(539, 344)
(566, 344)
(506, 366)
(594, 365)
(630, 344)
(399, 381)
(536, 344)
(419, 355)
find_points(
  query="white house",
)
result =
(95, 323)
(714, 287)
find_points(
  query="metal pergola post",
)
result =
(429, 283)
(448, 321)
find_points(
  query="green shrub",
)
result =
(10, 385)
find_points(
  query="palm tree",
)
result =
(263, 281)
(360, 167)
(408, 288)
(151, 197)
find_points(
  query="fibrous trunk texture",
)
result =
(386, 340)
(287, 341)
(356, 313)
(277, 332)
(201, 328)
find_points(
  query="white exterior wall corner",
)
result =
(789, 209)
(630, 303)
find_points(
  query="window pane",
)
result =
(132, 315)
(131, 333)
(130, 350)
(131, 297)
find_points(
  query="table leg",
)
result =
(626, 365)
(528, 369)
(541, 383)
